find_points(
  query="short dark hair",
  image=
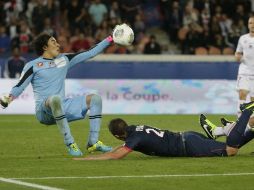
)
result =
(117, 126)
(40, 42)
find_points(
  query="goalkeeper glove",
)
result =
(5, 100)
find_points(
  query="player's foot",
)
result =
(247, 106)
(74, 150)
(208, 126)
(99, 146)
(225, 121)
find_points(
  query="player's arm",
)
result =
(117, 153)
(83, 56)
(5, 100)
(25, 79)
(238, 56)
(239, 50)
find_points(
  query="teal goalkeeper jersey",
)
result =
(47, 76)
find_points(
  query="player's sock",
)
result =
(239, 112)
(61, 121)
(218, 131)
(224, 131)
(237, 137)
(95, 119)
(227, 129)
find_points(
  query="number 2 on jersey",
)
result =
(158, 133)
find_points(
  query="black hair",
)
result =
(40, 42)
(117, 126)
(152, 37)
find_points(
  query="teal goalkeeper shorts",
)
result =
(74, 109)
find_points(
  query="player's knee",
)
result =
(251, 122)
(94, 99)
(231, 151)
(243, 94)
(55, 102)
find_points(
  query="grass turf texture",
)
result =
(31, 150)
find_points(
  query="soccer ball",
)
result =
(123, 35)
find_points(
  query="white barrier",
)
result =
(143, 96)
(164, 58)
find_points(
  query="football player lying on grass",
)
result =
(156, 142)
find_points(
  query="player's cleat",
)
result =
(74, 150)
(208, 126)
(225, 121)
(247, 106)
(99, 146)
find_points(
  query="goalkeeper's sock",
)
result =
(61, 121)
(95, 119)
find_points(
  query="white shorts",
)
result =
(245, 82)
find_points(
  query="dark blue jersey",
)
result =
(153, 141)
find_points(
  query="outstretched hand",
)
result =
(5, 100)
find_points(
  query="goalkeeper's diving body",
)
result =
(155, 142)
(47, 75)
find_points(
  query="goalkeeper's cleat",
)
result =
(74, 150)
(247, 106)
(225, 121)
(208, 126)
(99, 146)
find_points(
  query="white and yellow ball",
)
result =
(123, 35)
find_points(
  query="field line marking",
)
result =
(28, 184)
(139, 176)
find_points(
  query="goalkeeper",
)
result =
(47, 74)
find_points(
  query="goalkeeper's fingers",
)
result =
(3, 104)
(5, 100)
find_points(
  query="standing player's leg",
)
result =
(56, 106)
(251, 121)
(243, 88)
(242, 99)
(76, 109)
(94, 103)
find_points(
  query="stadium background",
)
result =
(195, 66)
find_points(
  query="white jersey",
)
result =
(246, 46)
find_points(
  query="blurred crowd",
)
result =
(191, 26)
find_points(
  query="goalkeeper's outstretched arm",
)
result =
(24, 80)
(81, 57)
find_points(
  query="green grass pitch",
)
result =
(34, 153)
